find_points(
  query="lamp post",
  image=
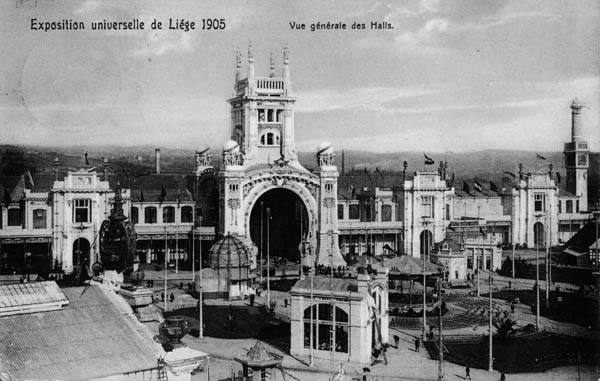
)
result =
(425, 250)
(261, 241)
(268, 261)
(166, 265)
(537, 275)
(491, 358)
(441, 338)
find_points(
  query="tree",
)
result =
(504, 325)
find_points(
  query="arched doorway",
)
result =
(426, 242)
(288, 225)
(81, 252)
(539, 234)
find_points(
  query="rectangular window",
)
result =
(354, 212)
(569, 206)
(427, 206)
(581, 160)
(150, 215)
(82, 211)
(168, 215)
(134, 215)
(270, 115)
(559, 206)
(39, 219)
(261, 115)
(539, 200)
(577, 206)
(14, 217)
(386, 213)
(340, 211)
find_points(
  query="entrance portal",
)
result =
(288, 224)
(81, 252)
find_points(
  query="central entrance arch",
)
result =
(288, 224)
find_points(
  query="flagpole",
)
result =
(166, 265)
(491, 359)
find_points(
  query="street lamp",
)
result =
(268, 261)
(261, 240)
(537, 273)
(426, 223)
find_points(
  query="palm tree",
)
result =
(504, 325)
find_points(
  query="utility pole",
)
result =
(547, 238)
(491, 358)
(166, 266)
(425, 250)
(261, 241)
(441, 338)
(537, 278)
(201, 290)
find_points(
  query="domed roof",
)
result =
(229, 252)
(231, 146)
(325, 148)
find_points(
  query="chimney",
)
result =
(157, 160)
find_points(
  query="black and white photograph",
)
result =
(240, 190)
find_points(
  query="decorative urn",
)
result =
(174, 328)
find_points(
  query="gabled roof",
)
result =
(406, 265)
(324, 283)
(151, 186)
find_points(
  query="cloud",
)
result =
(87, 7)
(363, 98)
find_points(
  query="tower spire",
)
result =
(272, 65)
(250, 62)
(238, 64)
(286, 69)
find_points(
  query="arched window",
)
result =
(186, 214)
(269, 139)
(168, 214)
(150, 215)
(39, 218)
(134, 215)
(323, 321)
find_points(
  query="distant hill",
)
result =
(485, 164)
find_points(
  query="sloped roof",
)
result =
(24, 298)
(326, 283)
(88, 339)
(258, 357)
(152, 187)
(583, 239)
(406, 265)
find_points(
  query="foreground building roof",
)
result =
(91, 338)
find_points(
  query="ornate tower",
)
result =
(577, 157)
(262, 114)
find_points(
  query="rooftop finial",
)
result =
(286, 55)
(272, 65)
(286, 68)
(250, 53)
(238, 63)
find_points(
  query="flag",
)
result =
(379, 172)
(481, 231)
(466, 187)
(493, 187)
(477, 186)
(540, 157)
(510, 173)
(85, 155)
(428, 160)
(163, 194)
(141, 195)
(178, 197)
(451, 228)
(557, 178)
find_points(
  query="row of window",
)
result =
(168, 214)
(354, 212)
(568, 206)
(270, 115)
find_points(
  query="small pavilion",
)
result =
(258, 361)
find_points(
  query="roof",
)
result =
(151, 187)
(258, 357)
(90, 338)
(22, 298)
(583, 239)
(406, 265)
(327, 283)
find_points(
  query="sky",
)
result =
(451, 76)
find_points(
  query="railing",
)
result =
(269, 84)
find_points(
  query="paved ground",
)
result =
(403, 362)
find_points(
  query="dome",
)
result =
(231, 146)
(325, 148)
(205, 150)
(229, 252)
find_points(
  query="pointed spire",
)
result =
(238, 63)
(272, 65)
(286, 62)
(250, 62)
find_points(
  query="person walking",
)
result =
(468, 372)
(502, 377)
(417, 344)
